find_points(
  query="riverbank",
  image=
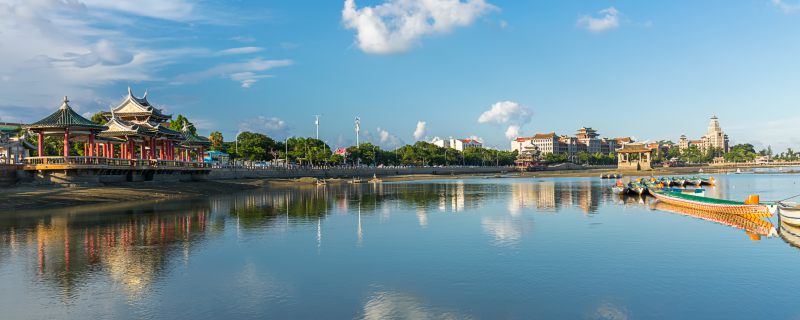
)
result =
(41, 197)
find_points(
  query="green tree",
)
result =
(178, 123)
(216, 140)
(256, 147)
(98, 118)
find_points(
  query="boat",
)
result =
(790, 234)
(620, 188)
(637, 188)
(751, 207)
(321, 182)
(708, 181)
(789, 214)
(355, 181)
(696, 181)
(666, 181)
(375, 179)
(679, 181)
(739, 171)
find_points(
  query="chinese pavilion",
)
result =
(68, 124)
(135, 130)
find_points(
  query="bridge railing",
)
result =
(79, 161)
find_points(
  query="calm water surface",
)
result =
(483, 249)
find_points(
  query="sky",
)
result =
(416, 69)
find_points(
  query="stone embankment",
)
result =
(346, 172)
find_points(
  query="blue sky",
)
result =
(488, 69)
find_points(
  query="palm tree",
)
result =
(216, 140)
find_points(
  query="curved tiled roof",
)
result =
(65, 117)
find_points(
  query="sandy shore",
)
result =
(32, 198)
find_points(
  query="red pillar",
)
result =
(92, 147)
(41, 144)
(201, 156)
(66, 143)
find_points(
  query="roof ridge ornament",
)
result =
(65, 104)
(144, 97)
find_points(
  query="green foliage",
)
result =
(98, 118)
(254, 147)
(177, 124)
(741, 153)
(216, 140)
(553, 158)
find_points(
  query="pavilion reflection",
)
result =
(132, 246)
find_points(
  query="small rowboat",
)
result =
(695, 181)
(637, 188)
(679, 181)
(620, 188)
(789, 214)
(708, 182)
(750, 207)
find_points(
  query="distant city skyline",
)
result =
(474, 69)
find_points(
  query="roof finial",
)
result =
(112, 112)
(130, 92)
(185, 127)
(65, 104)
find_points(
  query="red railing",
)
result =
(111, 162)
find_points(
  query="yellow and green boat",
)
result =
(750, 207)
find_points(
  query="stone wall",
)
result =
(91, 177)
(280, 173)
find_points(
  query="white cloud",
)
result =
(241, 50)
(786, 7)
(177, 10)
(387, 139)
(421, 130)
(397, 25)
(271, 126)
(506, 112)
(57, 48)
(242, 72)
(513, 131)
(608, 19)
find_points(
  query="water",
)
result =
(482, 249)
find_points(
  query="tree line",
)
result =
(253, 146)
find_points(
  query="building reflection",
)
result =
(547, 195)
(132, 246)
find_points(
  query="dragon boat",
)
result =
(749, 207)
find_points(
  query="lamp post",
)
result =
(237, 144)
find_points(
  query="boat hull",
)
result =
(790, 215)
(701, 203)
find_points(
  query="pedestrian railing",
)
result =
(87, 162)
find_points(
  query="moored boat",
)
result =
(709, 181)
(355, 181)
(620, 188)
(637, 188)
(375, 179)
(789, 214)
(695, 181)
(749, 207)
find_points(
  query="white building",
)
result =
(458, 144)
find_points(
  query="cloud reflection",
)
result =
(393, 305)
